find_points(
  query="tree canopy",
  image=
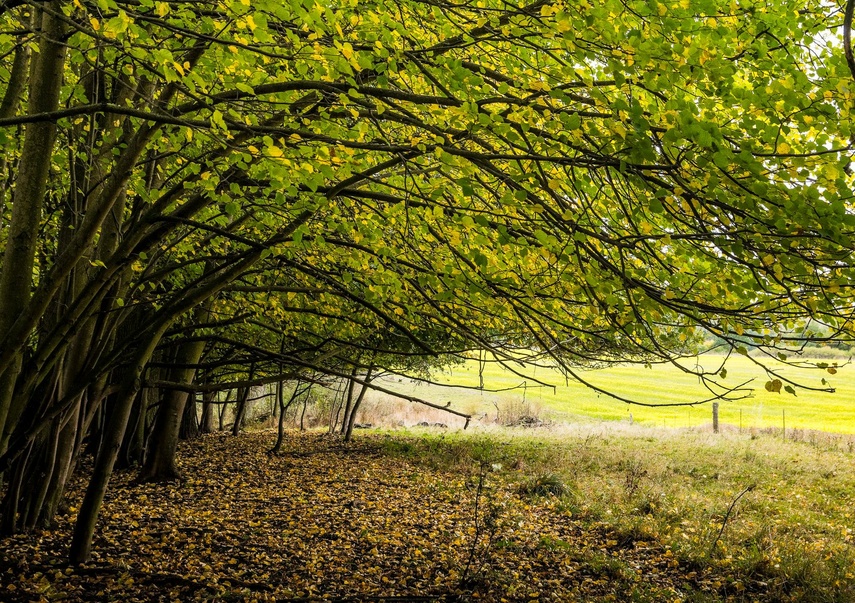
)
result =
(293, 184)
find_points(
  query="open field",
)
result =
(659, 384)
(598, 513)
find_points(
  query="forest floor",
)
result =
(386, 518)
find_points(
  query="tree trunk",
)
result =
(280, 436)
(280, 399)
(160, 458)
(9, 107)
(352, 418)
(206, 423)
(349, 403)
(190, 420)
(16, 274)
(66, 455)
(84, 528)
(303, 413)
(335, 407)
(240, 408)
(221, 411)
(132, 452)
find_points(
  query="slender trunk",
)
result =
(84, 528)
(17, 81)
(12, 498)
(303, 413)
(240, 409)
(16, 274)
(221, 411)
(335, 407)
(206, 423)
(280, 436)
(65, 455)
(351, 386)
(8, 108)
(280, 399)
(352, 418)
(133, 445)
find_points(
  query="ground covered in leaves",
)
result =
(360, 522)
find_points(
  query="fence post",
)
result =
(715, 417)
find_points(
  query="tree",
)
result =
(595, 182)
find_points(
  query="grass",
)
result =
(544, 484)
(659, 384)
(789, 537)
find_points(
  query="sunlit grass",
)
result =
(658, 384)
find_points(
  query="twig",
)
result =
(489, 523)
(727, 516)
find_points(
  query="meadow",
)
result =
(758, 517)
(569, 401)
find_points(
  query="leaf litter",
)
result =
(325, 521)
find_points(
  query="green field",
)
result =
(659, 384)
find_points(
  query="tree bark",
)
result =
(280, 435)
(160, 458)
(240, 408)
(16, 274)
(84, 528)
(206, 423)
(349, 402)
(189, 429)
(352, 418)
(8, 107)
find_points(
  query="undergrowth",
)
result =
(774, 517)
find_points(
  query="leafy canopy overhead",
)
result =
(591, 179)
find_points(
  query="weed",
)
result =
(634, 474)
(544, 484)
(395, 447)
(555, 544)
